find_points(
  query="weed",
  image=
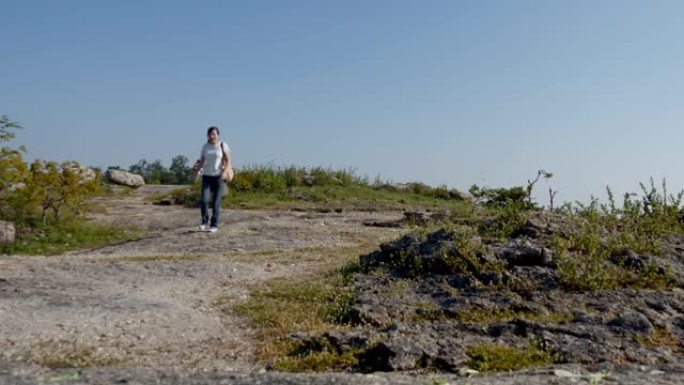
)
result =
(585, 260)
(504, 221)
(598, 233)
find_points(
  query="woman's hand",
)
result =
(197, 166)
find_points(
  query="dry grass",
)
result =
(58, 354)
(159, 258)
(662, 337)
(315, 303)
(484, 316)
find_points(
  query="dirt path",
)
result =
(151, 303)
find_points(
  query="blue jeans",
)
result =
(212, 189)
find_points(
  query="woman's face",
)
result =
(212, 136)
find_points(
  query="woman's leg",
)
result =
(216, 203)
(205, 194)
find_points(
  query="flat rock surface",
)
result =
(151, 303)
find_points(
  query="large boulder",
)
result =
(7, 233)
(125, 178)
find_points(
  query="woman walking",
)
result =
(214, 165)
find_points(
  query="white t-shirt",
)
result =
(213, 158)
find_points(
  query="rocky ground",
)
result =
(435, 299)
(144, 312)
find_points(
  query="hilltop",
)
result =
(434, 294)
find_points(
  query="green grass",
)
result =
(352, 198)
(362, 198)
(266, 186)
(485, 316)
(68, 236)
(491, 357)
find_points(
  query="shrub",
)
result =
(500, 197)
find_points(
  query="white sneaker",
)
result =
(203, 227)
(213, 229)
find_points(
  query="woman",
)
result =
(213, 164)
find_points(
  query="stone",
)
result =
(125, 178)
(540, 225)
(7, 233)
(308, 180)
(460, 195)
(415, 218)
(526, 254)
(632, 323)
(86, 174)
(370, 314)
(16, 186)
(629, 259)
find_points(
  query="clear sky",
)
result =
(446, 92)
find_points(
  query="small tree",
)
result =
(12, 169)
(530, 184)
(180, 170)
(13, 173)
(155, 172)
(139, 168)
(59, 187)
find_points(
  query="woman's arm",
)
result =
(226, 163)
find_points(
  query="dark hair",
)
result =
(213, 128)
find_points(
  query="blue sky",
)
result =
(446, 92)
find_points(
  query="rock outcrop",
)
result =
(125, 178)
(426, 300)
